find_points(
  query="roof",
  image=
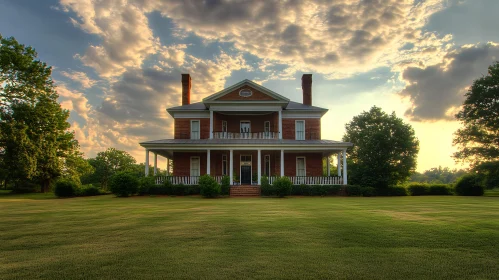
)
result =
(226, 142)
(199, 106)
(263, 89)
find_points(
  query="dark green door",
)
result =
(246, 175)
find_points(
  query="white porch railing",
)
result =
(245, 135)
(186, 180)
(312, 180)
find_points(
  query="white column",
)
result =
(211, 124)
(328, 166)
(155, 164)
(345, 181)
(280, 124)
(282, 163)
(208, 157)
(147, 163)
(259, 167)
(167, 166)
(231, 165)
(338, 165)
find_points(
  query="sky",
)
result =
(117, 63)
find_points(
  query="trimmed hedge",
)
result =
(368, 191)
(470, 185)
(65, 188)
(124, 184)
(353, 190)
(225, 185)
(392, 191)
(145, 184)
(417, 189)
(440, 189)
(209, 186)
(282, 186)
(266, 188)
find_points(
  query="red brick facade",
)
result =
(257, 95)
(183, 128)
(181, 166)
(312, 128)
(257, 122)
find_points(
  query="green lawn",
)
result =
(232, 238)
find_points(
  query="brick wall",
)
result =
(183, 128)
(257, 122)
(312, 128)
(257, 95)
(313, 163)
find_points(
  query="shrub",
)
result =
(469, 185)
(397, 191)
(89, 190)
(65, 188)
(25, 187)
(145, 183)
(192, 189)
(353, 190)
(266, 188)
(124, 184)
(225, 186)
(282, 186)
(440, 189)
(209, 186)
(368, 191)
(301, 189)
(417, 189)
(334, 189)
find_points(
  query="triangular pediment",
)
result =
(246, 90)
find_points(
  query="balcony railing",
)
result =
(245, 135)
(312, 180)
(185, 180)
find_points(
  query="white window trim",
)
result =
(241, 165)
(304, 165)
(224, 163)
(199, 129)
(226, 128)
(199, 166)
(265, 165)
(296, 121)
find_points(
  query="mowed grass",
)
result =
(104, 237)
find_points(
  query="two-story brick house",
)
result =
(247, 131)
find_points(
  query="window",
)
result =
(194, 166)
(195, 129)
(300, 166)
(266, 128)
(224, 165)
(245, 92)
(224, 126)
(300, 130)
(245, 129)
(266, 170)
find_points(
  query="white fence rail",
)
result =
(245, 135)
(312, 180)
(186, 180)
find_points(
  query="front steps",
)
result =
(245, 191)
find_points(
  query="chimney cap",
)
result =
(306, 77)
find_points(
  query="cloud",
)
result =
(74, 101)
(79, 77)
(437, 91)
(123, 27)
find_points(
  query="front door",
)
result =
(245, 170)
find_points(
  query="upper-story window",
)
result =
(224, 126)
(300, 130)
(266, 128)
(195, 129)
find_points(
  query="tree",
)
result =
(478, 140)
(35, 137)
(438, 175)
(108, 163)
(384, 152)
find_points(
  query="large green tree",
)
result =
(35, 137)
(108, 163)
(478, 140)
(385, 149)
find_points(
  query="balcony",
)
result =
(245, 135)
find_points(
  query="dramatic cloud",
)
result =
(79, 77)
(123, 27)
(437, 91)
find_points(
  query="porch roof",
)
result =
(166, 147)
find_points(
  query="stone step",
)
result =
(245, 191)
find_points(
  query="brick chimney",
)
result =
(186, 89)
(306, 86)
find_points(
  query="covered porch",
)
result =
(247, 161)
